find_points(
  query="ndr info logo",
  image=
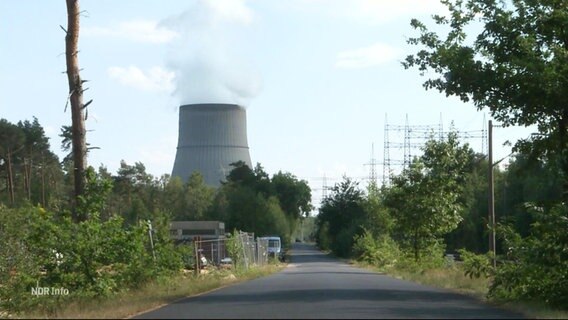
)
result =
(50, 291)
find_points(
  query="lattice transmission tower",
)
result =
(372, 167)
(413, 138)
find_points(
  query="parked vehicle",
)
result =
(274, 247)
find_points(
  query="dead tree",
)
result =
(79, 145)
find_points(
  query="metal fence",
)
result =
(248, 251)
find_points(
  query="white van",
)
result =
(274, 247)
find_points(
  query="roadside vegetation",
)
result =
(153, 295)
(124, 243)
(420, 229)
(72, 233)
(102, 240)
(436, 209)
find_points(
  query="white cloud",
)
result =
(381, 11)
(206, 15)
(367, 57)
(371, 11)
(232, 10)
(155, 79)
(143, 31)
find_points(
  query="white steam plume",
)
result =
(204, 56)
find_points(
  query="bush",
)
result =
(343, 243)
(431, 257)
(19, 267)
(323, 239)
(235, 249)
(381, 252)
(536, 267)
(89, 259)
(476, 265)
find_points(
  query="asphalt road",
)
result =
(317, 286)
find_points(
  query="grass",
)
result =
(453, 278)
(155, 294)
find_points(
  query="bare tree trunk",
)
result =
(416, 247)
(10, 178)
(28, 176)
(79, 146)
(42, 180)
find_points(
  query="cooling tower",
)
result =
(211, 137)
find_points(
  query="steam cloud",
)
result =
(205, 54)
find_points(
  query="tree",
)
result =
(527, 181)
(11, 141)
(536, 266)
(249, 200)
(241, 173)
(78, 115)
(340, 217)
(517, 66)
(174, 195)
(251, 211)
(378, 220)
(295, 195)
(422, 213)
(198, 198)
(35, 147)
(471, 232)
(425, 198)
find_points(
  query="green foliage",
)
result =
(476, 265)
(378, 218)
(198, 198)
(323, 239)
(536, 267)
(250, 201)
(294, 195)
(516, 66)
(471, 232)
(432, 257)
(235, 249)
(93, 258)
(340, 218)
(425, 197)
(527, 180)
(110, 251)
(33, 173)
(97, 189)
(381, 252)
(18, 266)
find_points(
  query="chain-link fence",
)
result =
(239, 250)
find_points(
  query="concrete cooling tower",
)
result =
(211, 137)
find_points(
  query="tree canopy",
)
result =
(517, 66)
(425, 198)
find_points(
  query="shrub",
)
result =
(235, 249)
(536, 267)
(475, 265)
(381, 252)
(431, 257)
(323, 239)
(89, 259)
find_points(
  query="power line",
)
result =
(411, 138)
(372, 167)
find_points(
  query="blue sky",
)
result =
(317, 78)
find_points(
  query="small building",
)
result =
(184, 231)
(208, 236)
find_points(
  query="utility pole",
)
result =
(491, 203)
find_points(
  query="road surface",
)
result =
(317, 286)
